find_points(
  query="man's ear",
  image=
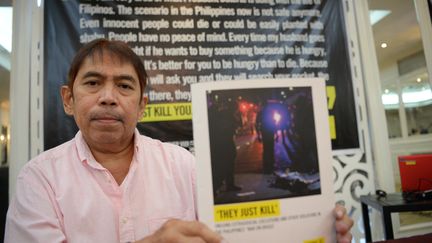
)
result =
(67, 97)
(143, 104)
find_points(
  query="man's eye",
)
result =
(91, 83)
(125, 86)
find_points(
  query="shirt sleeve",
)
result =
(33, 215)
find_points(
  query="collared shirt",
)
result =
(65, 195)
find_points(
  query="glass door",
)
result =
(406, 87)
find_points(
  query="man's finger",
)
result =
(204, 232)
(196, 229)
(339, 211)
(344, 238)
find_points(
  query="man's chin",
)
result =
(106, 124)
(106, 136)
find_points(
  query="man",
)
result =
(266, 129)
(109, 183)
(223, 123)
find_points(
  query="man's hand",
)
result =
(179, 231)
(343, 224)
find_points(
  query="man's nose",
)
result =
(108, 95)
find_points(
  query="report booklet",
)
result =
(264, 164)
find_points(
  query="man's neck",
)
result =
(116, 162)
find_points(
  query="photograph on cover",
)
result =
(262, 144)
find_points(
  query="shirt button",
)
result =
(124, 220)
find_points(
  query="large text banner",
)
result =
(182, 42)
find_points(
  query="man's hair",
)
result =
(116, 49)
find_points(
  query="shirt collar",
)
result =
(85, 155)
(136, 140)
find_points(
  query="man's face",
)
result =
(106, 101)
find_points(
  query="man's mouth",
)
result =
(106, 118)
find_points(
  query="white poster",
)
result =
(264, 160)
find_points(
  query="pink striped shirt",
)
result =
(64, 195)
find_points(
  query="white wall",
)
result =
(26, 16)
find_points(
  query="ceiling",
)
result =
(399, 30)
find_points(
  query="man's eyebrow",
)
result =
(117, 77)
(125, 77)
(93, 74)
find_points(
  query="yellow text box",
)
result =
(317, 240)
(331, 95)
(167, 112)
(261, 209)
(331, 99)
(332, 124)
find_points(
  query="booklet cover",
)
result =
(264, 165)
